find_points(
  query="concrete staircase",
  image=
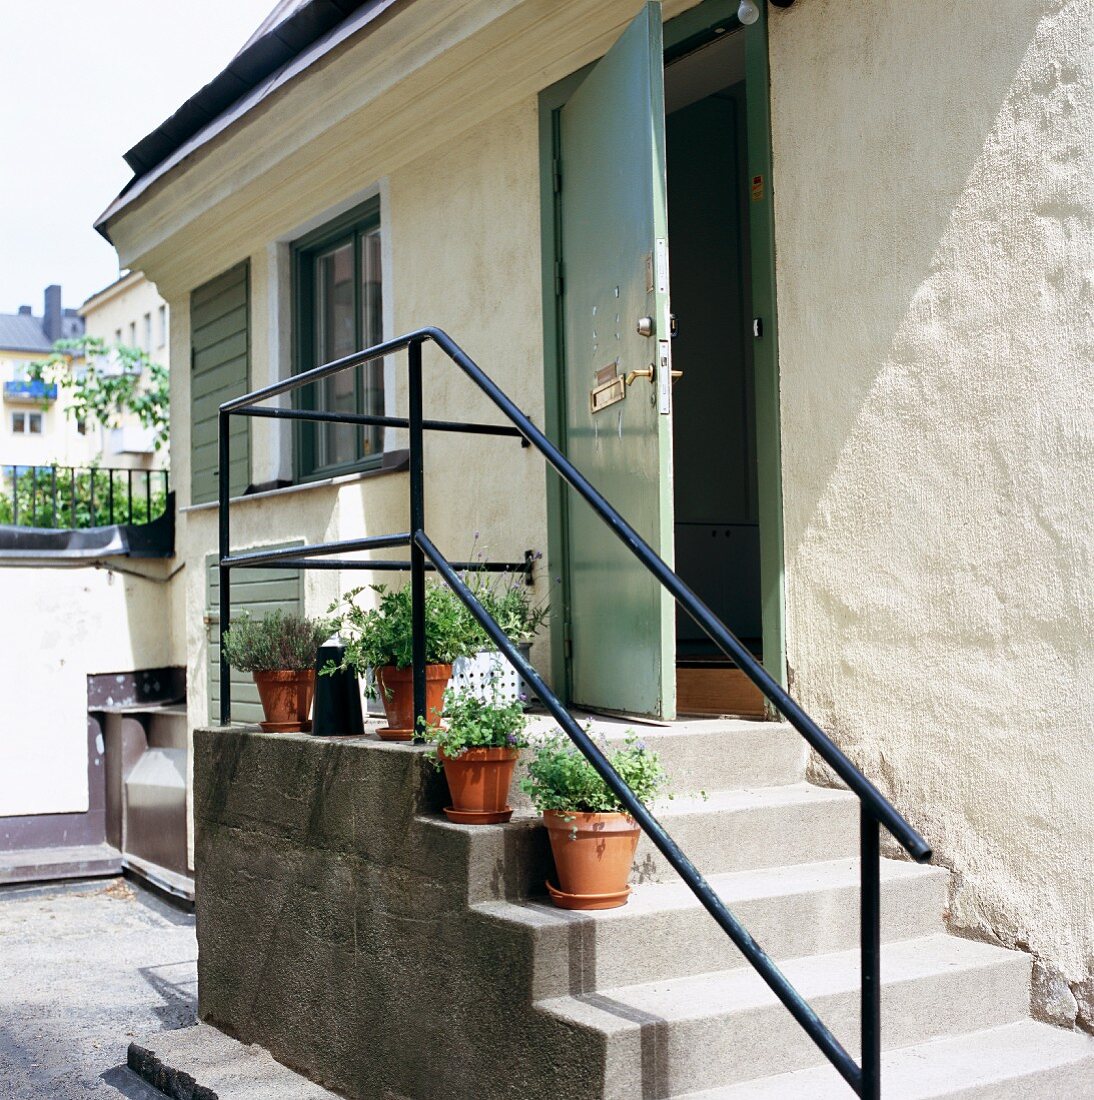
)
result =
(675, 1011)
(349, 928)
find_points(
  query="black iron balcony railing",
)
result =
(80, 497)
(875, 809)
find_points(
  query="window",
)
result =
(161, 329)
(132, 334)
(339, 311)
(147, 345)
(19, 422)
(24, 423)
(117, 336)
(34, 423)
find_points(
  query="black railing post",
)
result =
(53, 496)
(15, 495)
(417, 526)
(130, 491)
(225, 571)
(110, 494)
(870, 936)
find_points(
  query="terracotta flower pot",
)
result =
(396, 688)
(286, 699)
(478, 780)
(593, 856)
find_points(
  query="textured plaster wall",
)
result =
(467, 259)
(934, 182)
(464, 255)
(63, 625)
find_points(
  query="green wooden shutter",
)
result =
(220, 369)
(256, 591)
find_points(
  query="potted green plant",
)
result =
(592, 839)
(279, 650)
(508, 599)
(478, 749)
(380, 640)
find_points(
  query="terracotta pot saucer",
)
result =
(286, 727)
(588, 901)
(479, 817)
(386, 733)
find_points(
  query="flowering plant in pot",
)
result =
(592, 839)
(279, 650)
(478, 750)
(381, 640)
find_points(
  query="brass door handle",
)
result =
(649, 374)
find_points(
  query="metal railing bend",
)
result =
(874, 808)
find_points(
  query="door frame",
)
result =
(683, 34)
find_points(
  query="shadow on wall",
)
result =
(935, 230)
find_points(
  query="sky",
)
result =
(83, 81)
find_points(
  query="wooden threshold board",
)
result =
(713, 691)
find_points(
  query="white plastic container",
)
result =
(476, 674)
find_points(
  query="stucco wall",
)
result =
(483, 288)
(934, 183)
(64, 624)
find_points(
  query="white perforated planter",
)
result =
(479, 674)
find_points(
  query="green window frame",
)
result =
(338, 297)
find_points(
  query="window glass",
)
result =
(162, 327)
(335, 337)
(147, 345)
(340, 312)
(18, 422)
(35, 423)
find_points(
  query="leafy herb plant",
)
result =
(477, 724)
(508, 600)
(560, 778)
(383, 635)
(276, 642)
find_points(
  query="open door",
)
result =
(617, 372)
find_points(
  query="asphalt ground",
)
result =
(84, 968)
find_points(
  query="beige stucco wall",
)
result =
(72, 623)
(118, 313)
(486, 293)
(934, 182)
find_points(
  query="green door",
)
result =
(615, 274)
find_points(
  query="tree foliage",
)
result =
(103, 383)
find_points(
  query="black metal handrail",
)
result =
(875, 809)
(78, 497)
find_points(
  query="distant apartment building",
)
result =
(130, 312)
(34, 429)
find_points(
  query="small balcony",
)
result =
(23, 391)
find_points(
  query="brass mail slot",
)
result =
(607, 393)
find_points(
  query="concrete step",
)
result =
(1022, 1061)
(663, 931)
(740, 830)
(664, 1038)
(708, 754)
(46, 864)
(202, 1063)
(727, 831)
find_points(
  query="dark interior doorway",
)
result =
(714, 434)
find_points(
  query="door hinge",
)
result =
(567, 647)
(556, 174)
(559, 278)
